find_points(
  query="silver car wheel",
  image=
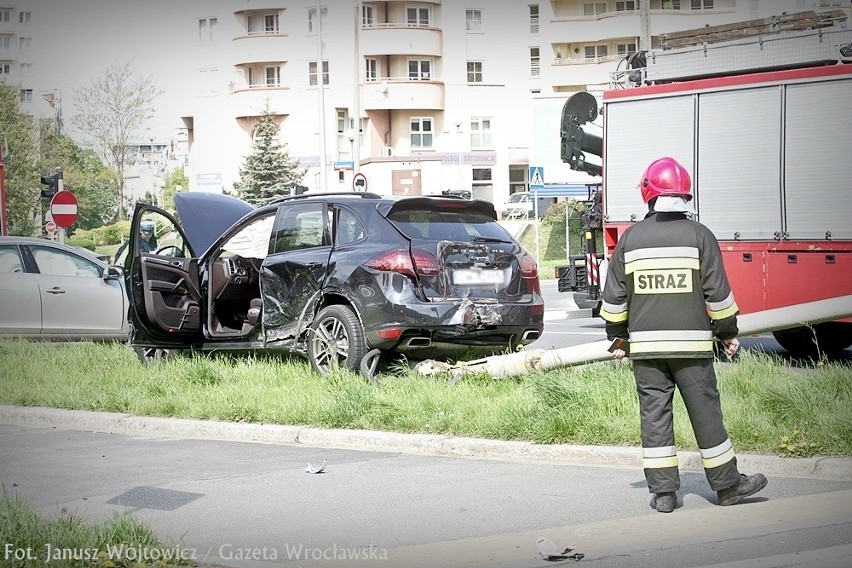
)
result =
(336, 339)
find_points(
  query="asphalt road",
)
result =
(224, 492)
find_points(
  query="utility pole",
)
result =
(323, 177)
(644, 25)
(356, 111)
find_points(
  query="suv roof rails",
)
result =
(363, 195)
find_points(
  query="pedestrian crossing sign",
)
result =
(536, 176)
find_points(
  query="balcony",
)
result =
(400, 39)
(257, 97)
(582, 71)
(256, 48)
(398, 93)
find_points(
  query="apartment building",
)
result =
(418, 96)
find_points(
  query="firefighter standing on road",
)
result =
(667, 293)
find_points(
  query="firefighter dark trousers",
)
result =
(696, 380)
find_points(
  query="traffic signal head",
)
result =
(52, 183)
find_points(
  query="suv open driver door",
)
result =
(161, 274)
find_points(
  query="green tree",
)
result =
(84, 174)
(21, 164)
(175, 182)
(112, 111)
(268, 172)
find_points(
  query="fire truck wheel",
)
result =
(821, 339)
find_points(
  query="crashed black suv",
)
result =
(331, 277)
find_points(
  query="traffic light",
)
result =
(52, 183)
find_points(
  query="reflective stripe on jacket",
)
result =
(666, 289)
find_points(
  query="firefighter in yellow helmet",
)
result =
(667, 295)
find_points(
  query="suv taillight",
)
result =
(417, 263)
(529, 273)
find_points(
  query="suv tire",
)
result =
(336, 339)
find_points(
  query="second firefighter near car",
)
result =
(331, 277)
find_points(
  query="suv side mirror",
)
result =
(113, 272)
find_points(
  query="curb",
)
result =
(821, 467)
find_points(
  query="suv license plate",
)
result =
(472, 277)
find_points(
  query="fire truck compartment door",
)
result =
(637, 133)
(819, 165)
(738, 185)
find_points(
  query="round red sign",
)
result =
(63, 209)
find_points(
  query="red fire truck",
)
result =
(763, 122)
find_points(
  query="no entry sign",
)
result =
(63, 209)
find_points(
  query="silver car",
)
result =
(53, 291)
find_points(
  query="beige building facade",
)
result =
(417, 96)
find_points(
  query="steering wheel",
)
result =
(176, 251)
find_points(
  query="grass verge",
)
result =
(30, 540)
(769, 407)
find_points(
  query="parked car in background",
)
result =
(521, 205)
(53, 291)
(332, 277)
(518, 206)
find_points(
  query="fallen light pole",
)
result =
(516, 364)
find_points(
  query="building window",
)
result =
(5, 67)
(419, 70)
(418, 16)
(270, 23)
(26, 95)
(474, 71)
(596, 51)
(205, 29)
(372, 69)
(312, 19)
(482, 176)
(273, 76)
(24, 17)
(421, 133)
(480, 133)
(25, 42)
(344, 125)
(5, 15)
(535, 61)
(701, 4)
(26, 69)
(534, 18)
(473, 20)
(594, 8)
(261, 24)
(625, 48)
(250, 77)
(625, 6)
(312, 72)
(671, 4)
(368, 15)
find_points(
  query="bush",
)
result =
(82, 241)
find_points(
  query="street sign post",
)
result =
(63, 209)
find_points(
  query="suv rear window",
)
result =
(448, 225)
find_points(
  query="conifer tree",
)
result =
(269, 172)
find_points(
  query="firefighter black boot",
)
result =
(748, 486)
(666, 502)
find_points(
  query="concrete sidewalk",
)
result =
(829, 468)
